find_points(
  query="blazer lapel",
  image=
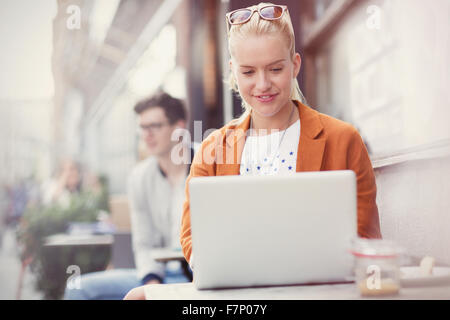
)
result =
(232, 147)
(310, 148)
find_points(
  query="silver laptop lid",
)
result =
(272, 230)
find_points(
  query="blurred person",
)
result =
(21, 195)
(4, 207)
(68, 182)
(155, 192)
(294, 137)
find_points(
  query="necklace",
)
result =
(281, 140)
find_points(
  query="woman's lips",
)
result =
(266, 98)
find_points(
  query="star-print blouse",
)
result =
(261, 155)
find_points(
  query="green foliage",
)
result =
(49, 264)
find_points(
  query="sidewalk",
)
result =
(10, 269)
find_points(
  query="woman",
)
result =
(68, 183)
(278, 133)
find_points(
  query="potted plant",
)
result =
(50, 264)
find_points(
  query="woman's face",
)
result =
(264, 70)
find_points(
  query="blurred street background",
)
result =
(72, 70)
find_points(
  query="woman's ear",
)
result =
(232, 78)
(297, 61)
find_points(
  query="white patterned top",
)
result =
(262, 157)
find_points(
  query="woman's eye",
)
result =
(277, 69)
(248, 72)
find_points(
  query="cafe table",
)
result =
(342, 291)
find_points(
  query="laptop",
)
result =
(252, 231)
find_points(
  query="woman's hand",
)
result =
(139, 292)
(136, 294)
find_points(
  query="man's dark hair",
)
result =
(173, 108)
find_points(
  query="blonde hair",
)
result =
(258, 26)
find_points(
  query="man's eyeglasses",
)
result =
(269, 12)
(152, 127)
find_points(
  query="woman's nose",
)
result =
(263, 82)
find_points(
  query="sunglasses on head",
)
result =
(268, 12)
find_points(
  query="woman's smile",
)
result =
(266, 98)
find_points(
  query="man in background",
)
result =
(156, 195)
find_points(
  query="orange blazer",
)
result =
(325, 143)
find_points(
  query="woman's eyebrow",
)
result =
(275, 62)
(272, 63)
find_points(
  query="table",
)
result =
(160, 255)
(187, 291)
(88, 252)
(78, 240)
(169, 254)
